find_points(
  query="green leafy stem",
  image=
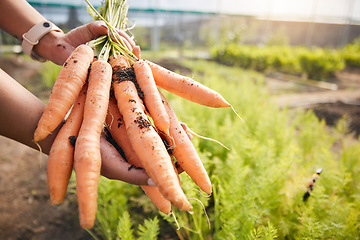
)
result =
(113, 13)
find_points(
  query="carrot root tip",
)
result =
(203, 193)
(176, 222)
(203, 206)
(190, 131)
(237, 114)
(40, 152)
(56, 202)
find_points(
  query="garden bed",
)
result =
(25, 209)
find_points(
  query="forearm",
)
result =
(18, 16)
(20, 112)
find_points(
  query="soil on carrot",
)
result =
(25, 208)
(127, 74)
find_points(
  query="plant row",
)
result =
(316, 63)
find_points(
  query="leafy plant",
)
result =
(316, 63)
(351, 53)
(49, 74)
(321, 64)
(258, 186)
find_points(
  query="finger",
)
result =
(128, 45)
(115, 167)
(123, 40)
(186, 129)
(136, 51)
(190, 136)
(134, 48)
(86, 33)
(127, 37)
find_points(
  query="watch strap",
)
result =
(33, 36)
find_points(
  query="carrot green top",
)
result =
(114, 14)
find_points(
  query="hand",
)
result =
(57, 46)
(115, 167)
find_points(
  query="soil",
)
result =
(25, 208)
(329, 105)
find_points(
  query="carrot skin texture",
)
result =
(87, 157)
(148, 145)
(152, 99)
(118, 61)
(67, 87)
(116, 126)
(158, 199)
(186, 87)
(61, 156)
(185, 152)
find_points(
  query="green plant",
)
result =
(351, 53)
(317, 63)
(49, 74)
(321, 63)
(258, 185)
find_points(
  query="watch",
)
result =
(33, 36)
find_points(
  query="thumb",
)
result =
(86, 33)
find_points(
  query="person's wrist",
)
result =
(47, 45)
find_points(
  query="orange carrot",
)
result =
(152, 99)
(87, 158)
(61, 156)
(148, 145)
(186, 87)
(67, 87)
(158, 199)
(185, 152)
(119, 62)
(116, 126)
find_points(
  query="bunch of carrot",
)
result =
(116, 89)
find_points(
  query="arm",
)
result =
(20, 112)
(18, 16)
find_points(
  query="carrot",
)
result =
(119, 62)
(185, 152)
(152, 99)
(61, 156)
(158, 199)
(87, 158)
(148, 145)
(67, 87)
(186, 87)
(116, 126)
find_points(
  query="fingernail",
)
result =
(102, 24)
(151, 183)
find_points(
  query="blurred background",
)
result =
(160, 23)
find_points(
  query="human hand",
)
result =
(57, 46)
(115, 167)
